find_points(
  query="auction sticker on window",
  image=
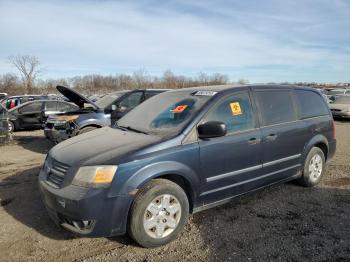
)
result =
(179, 109)
(236, 108)
(205, 93)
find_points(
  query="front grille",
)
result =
(57, 173)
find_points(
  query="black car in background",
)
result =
(33, 114)
(4, 126)
(92, 115)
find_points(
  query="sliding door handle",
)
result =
(254, 141)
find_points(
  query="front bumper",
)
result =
(55, 135)
(85, 211)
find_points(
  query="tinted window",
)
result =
(131, 100)
(50, 105)
(275, 106)
(65, 107)
(107, 100)
(235, 111)
(32, 107)
(311, 104)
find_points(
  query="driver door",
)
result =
(30, 115)
(229, 163)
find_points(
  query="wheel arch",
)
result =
(176, 172)
(89, 125)
(319, 141)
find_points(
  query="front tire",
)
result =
(314, 168)
(158, 214)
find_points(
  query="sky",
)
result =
(262, 41)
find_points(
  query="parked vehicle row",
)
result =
(14, 101)
(92, 115)
(33, 114)
(335, 93)
(184, 151)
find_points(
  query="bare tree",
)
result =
(28, 66)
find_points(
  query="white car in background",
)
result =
(341, 107)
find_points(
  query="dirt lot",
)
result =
(281, 223)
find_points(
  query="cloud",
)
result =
(260, 40)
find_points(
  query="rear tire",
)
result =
(87, 129)
(314, 168)
(158, 213)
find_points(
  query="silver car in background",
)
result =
(341, 107)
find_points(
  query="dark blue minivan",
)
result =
(184, 151)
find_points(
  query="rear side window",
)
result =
(64, 107)
(50, 105)
(311, 104)
(275, 106)
(235, 111)
(32, 107)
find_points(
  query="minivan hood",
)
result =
(75, 97)
(99, 146)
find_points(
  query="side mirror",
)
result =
(211, 129)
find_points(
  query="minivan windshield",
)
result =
(106, 100)
(342, 100)
(165, 114)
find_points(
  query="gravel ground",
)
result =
(281, 223)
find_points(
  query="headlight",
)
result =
(66, 118)
(94, 176)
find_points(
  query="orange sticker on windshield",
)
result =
(179, 109)
(236, 108)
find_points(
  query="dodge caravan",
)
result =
(184, 151)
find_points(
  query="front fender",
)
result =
(145, 174)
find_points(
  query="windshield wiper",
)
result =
(131, 129)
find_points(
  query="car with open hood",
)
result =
(341, 107)
(92, 115)
(184, 151)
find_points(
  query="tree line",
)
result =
(99, 84)
(28, 82)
